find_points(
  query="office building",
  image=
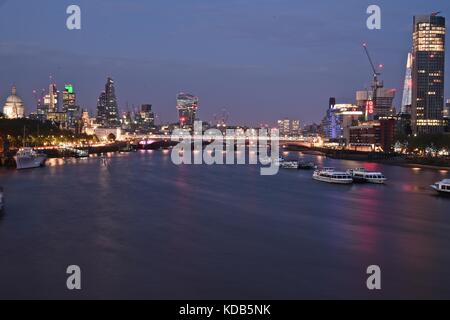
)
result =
(187, 106)
(428, 74)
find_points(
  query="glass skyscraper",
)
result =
(107, 109)
(187, 106)
(407, 88)
(428, 74)
(70, 106)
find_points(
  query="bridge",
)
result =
(158, 138)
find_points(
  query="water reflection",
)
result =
(183, 228)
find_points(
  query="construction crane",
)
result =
(222, 120)
(377, 84)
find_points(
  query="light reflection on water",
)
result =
(144, 228)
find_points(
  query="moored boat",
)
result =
(329, 175)
(442, 187)
(289, 165)
(361, 175)
(27, 158)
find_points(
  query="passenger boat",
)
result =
(361, 175)
(289, 165)
(27, 158)
(329, 175)
(269, 160)
(443, 187)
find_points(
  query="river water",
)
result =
(147, 229)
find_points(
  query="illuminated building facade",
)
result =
(107, 109)
(446, 115)
(377, 135)
(187, 106)
(428, 74)
(338, 119)
(407, 87)
(284, 127)
(70, 106)
(289, 128)
(384, 106)
(295, 128)
(14, 107)
(446, 112)
(51, 100)
(147, 117)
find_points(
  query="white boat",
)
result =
(361, 175)
(269, 160)
(27, 158)
(289, 165)
(329, 175)
(2, 200)
(443, 187)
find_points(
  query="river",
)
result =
(147, 229)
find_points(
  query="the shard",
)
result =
(407, 89)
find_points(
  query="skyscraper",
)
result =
(384, 104)
(447, 110)
(407, 88)
(70, 106)
(51, 100)
(428, 74)
(69, 98)
(187, 106)
(295, 129)
(107, 109)
(446, 115)
(147, 116)
(284, 128)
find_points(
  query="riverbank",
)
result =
(379, 157)
(8, 160)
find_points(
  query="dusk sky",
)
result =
(262, 60)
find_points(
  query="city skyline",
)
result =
(211, 150)
(154, 76)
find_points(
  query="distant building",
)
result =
(428, 74)
(51, 100)
(128, 122)
(295, 128)
(104, 134)
(446, 112)
(313, 129)
(383, 106)
(407, 87)
(14, 107)
(70, 107)
(289, 128)
(404, 124)
(86, 121)
(338, 119)
(57, 117)
(446, 115)
(107, 108)
(187, 106)
(284, 127)
(377, 135)
(147, 117)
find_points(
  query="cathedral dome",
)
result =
(14, 107)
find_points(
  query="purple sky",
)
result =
(260, 59)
